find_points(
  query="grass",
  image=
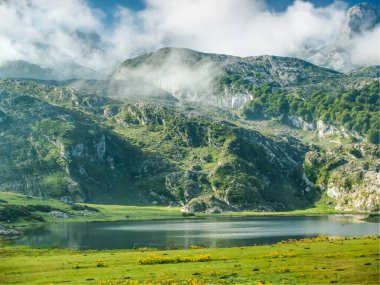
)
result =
(320, 260)
(317, 261)
(106, 212)
(373, 218)
(122, 212)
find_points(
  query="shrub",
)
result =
(101, 263)
(196, 246)
(187, 214)
(155, 259)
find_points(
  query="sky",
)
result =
(274, 5)
(100, 34)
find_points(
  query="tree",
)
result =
(254, 111)
(373, 136)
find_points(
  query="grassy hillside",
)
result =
(20, 210)
(67, 143)
(146, 142)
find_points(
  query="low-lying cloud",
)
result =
(59, 33)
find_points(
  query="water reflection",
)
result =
(211, 232)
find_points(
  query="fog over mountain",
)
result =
(75, 39)
(357, 44)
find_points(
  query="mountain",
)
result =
(57, 142)
(360, 19)
(218, 80)
(208, 132)
(284, 87)
(23, 69)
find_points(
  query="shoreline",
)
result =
(40, 212)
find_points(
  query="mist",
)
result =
(72, 33)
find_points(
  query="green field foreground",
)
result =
(309, 261)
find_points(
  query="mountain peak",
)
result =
(359, 18)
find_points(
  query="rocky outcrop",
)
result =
(299, 123)
(59, 215)
(349, 175)
(359, 19)
(9, 233)
(362, 194)
(322, 129)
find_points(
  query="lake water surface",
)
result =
(210, 232)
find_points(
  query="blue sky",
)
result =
(276, 5)
(109, 6)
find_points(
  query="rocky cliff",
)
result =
(348, 174)
(360, 19)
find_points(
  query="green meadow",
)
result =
(308, 261)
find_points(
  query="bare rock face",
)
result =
(362, 195)
(360, 18)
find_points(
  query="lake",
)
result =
(210, 232)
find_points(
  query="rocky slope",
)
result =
(154, 134)
(349, 174)
(57, 142)
(218, 80)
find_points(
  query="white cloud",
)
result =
(366, 48)
(242, 27)
(43, 32)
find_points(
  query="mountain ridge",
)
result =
(207, 78)
(181, 127)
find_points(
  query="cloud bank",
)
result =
(61, 33)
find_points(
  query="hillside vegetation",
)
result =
(96, 149)
(353, 110)
(100, 142)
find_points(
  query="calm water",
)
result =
(210, 232)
